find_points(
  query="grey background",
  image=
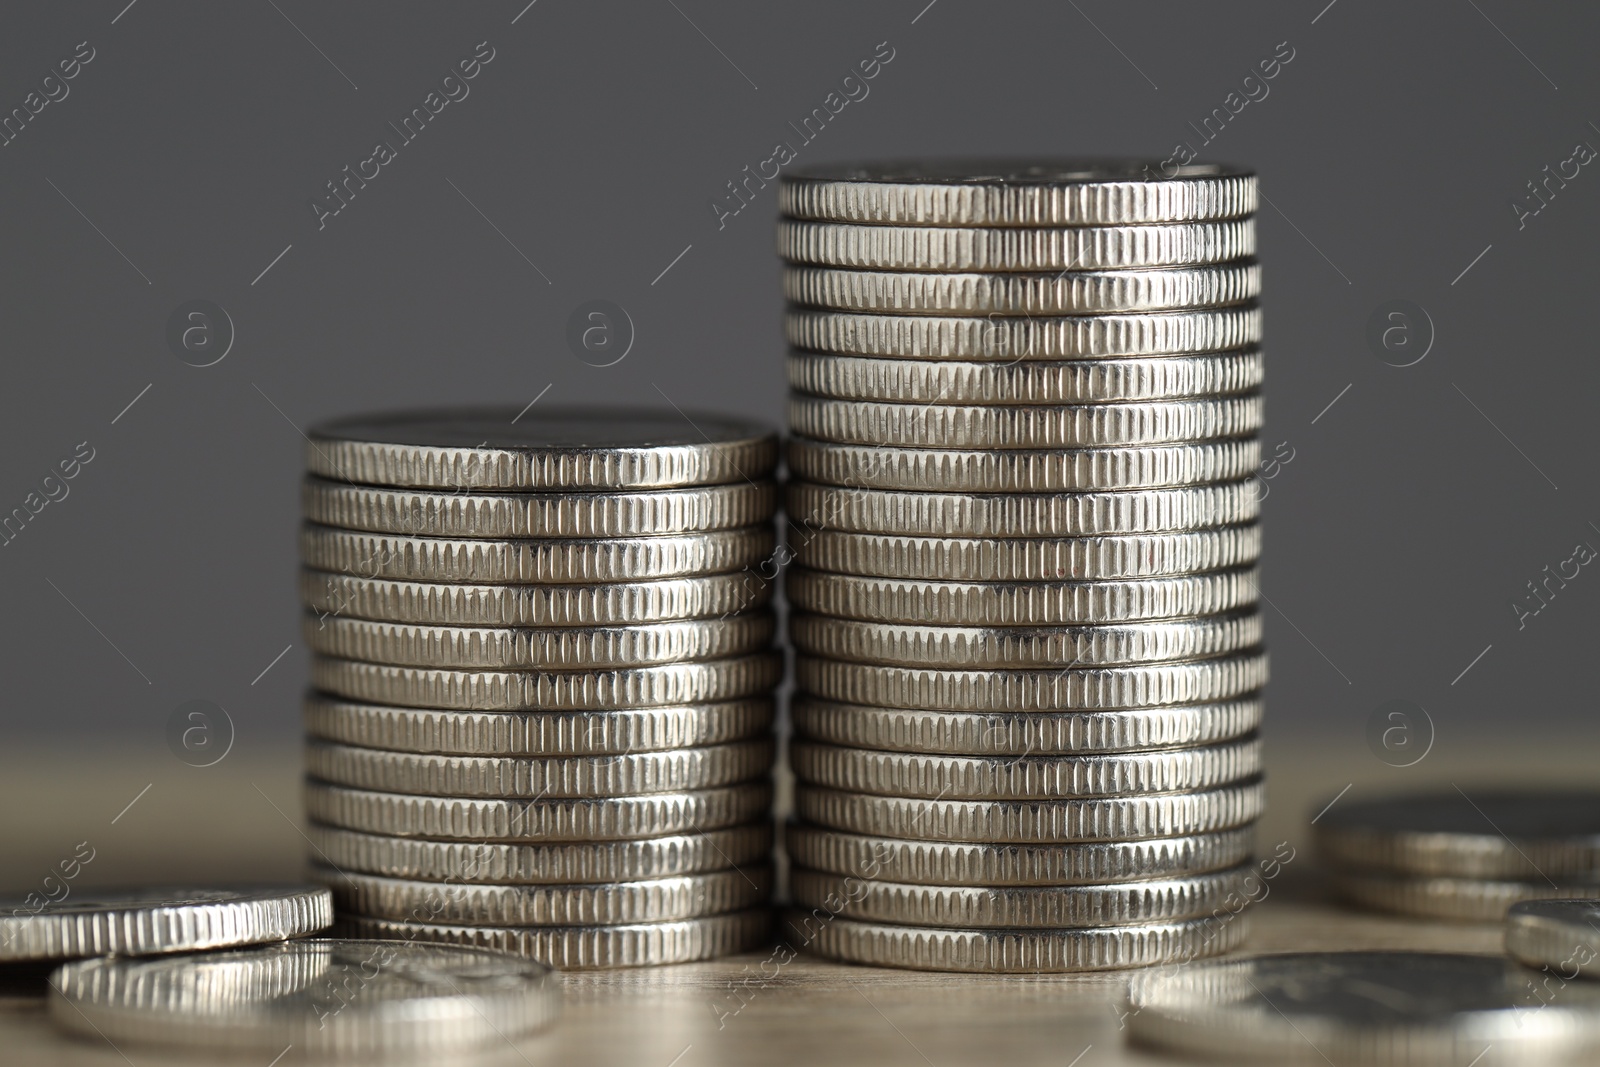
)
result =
(1399, 536)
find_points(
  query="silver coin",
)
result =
(628, 687)
(610, 604)
(947, 382)
(1556, 935)
(537, 733)
(1022, 733)
(934, 558)
(689, 896)
(582, 819)
(1012, 515)
(856, 596)
(993, 822)
(1012, 340)
(1361, 1007)
(431, 513)
(592, 777)
(578, 948)
(985, 192)
(1458, 899)
(482, 863)
(565, 648)
(928, 948)
(1087, 292)
(320, 996)
(541, 448)
(955, 863)
(1488, 834)
(541, 560)
(142, 922)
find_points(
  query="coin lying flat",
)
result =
(1023, 907)
(429, 774)
(955, 863)
(477, 820)
(577, 948)
(628, 687)
(1018, 559)
(561, 561)
(1460, 899)
(542, 448)
(984, 192)
(1510, 835)
(933, 948)
(320, 996)
(142, 922)
(1087, 292)
(537, 733)
(1010, 340)
(1022, 733)
(1361, 1007)
(1558, 935)
(569, 863)
(1036, 821)
(556, 514)
(689, 896)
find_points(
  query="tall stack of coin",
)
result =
(1023, 520)
(542, 717)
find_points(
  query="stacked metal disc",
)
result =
(542, 717)
(1023, 520)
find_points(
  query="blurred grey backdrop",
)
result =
(181, 160)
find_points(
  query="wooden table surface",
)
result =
(150, 818)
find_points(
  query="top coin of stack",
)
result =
(1024, 415)
(544, 671)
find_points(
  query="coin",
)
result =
(1488, 834)
(555, 514)
(855, 596)
(481, 863)
(983, 192)
(537, 733)
(549, 560)
(566, 648)
(1009, 951)
(1039, 821)
(674, 771)
(320, 996)
(577, 948)
(1558, 935)
(579, 820)
(610, 604)
(1086, 292)
(999, 559)
(1361, 1007)
(453, 903)
(950, 248)
(543, 448)
(628, 687)
(1010, 340)
(1460, 899)
(143, 922)
(920, 381)
(1014, 515)
(1087, 689)
(1022, 733)
(1123, 774)
(1025, 907)
(954, 863)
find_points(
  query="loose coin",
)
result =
(1460, 899)
(323, 997)
(1559, 935)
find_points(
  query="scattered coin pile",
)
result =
(1462, 854)
(1023, 520)
(542, 717)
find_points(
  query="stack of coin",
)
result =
(542, 717)
(1023, 524)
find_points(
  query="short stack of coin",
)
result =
(542, 709)
(1023, 521)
